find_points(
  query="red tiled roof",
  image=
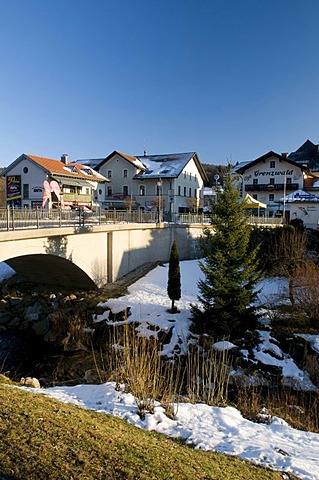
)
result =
(56, 167)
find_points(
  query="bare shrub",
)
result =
(207, 375)
(298, 408)
(311, 365)
(145, 374)
(192, 203)
(68, 330)
(290, 251)
(306, 291)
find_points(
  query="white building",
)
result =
(175, 181)
(269, 178)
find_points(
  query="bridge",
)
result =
(89, 256)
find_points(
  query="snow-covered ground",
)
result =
(275, 445)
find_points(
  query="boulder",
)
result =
(30, 382)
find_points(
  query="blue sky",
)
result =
(230, 79)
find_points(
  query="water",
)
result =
(14, 357)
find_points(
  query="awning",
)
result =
(251, 202)
(73, 181)
(299, 196)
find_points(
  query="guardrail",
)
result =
(23, 218)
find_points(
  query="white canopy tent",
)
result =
(251, 202)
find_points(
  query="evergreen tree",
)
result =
(174, 277)
(230, 268)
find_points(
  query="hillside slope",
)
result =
(44, 439)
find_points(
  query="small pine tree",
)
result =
(230, 268)
(174, 277)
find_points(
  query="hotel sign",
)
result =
(273, 173)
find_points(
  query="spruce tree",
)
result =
(174, 277)
(230, 268)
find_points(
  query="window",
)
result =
(190, 192)
(125, 173)
(185, 175)
(87, 191)
(288, 181)
(179, 190)
(272, 181)
(184, 191)
(109, 174)
(142, 190)
(125, 190)
(109, 191)
(255, 181)
(271, 197)
(25, 170)
(272, 164)
(255, 196)
(25, 189)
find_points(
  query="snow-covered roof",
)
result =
(240, 165)
(165, 166)
(90, 162)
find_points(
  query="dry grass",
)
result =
(207, 375)
(299, 409)
(43, 439)
(201, 376)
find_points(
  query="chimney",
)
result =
(65, 158)
(285, 154)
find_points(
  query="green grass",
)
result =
(43, 439)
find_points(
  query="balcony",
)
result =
(267, 187)
(76, 198)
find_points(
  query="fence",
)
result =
(23, 218)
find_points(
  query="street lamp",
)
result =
(159, 199)
(284, 209)
(216, 178)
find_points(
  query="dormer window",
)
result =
(272, 164)
(87, 171)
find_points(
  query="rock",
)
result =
(14, 301)
(41, 327)
(94, 376)
(15, 322)
(30, 382)
(5, 318)
(32, 313)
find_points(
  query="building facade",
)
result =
(171, 183)
(33, 181)
(269, 178)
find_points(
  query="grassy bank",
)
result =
(45, 439)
